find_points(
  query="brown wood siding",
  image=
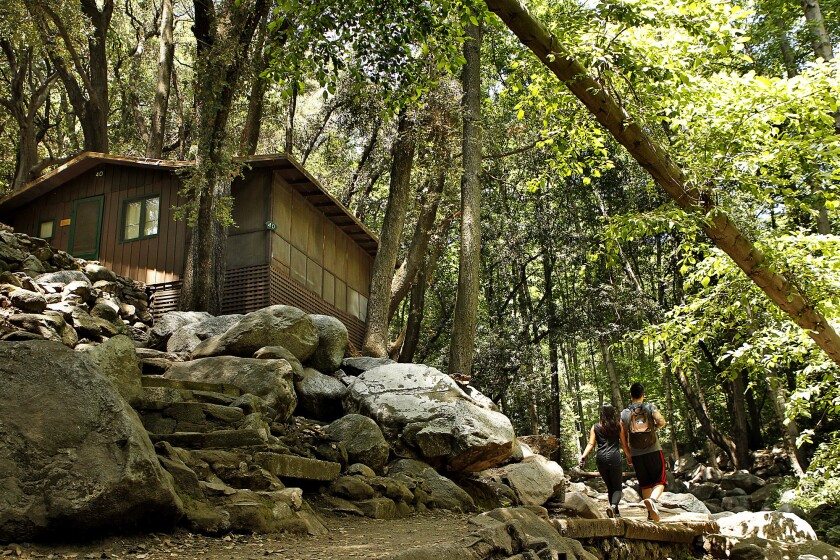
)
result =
(156, 260)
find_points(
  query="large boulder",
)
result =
(332, 343)
(270, 380)
(74, 458)
(170, 322)
(747, 482)
(687, 502)
(278, 325)
(535, 480)
(63, 277)
(424, 414)
(442, 492)
(186, 338)
(357, 366)
(772, 525)
(319, 395)
(363, 440)
(117, 359)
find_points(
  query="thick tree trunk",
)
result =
(655, 159)
(223, 34)
(461, 346)
(740, 431)
(609, 365)
(166, 58)
(820, 40)
(402, 159)
(90, 98)
(406, 273)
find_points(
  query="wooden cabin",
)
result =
(293, 243)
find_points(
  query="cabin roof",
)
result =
(285, 165)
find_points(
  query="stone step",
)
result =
(158, 381)
(164, 417)
(167, 394)
(665, 531)
(225, 439)
(292, 466)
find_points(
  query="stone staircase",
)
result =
(231, 465)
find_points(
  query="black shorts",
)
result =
(650, 469)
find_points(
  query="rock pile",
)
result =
(46, 294)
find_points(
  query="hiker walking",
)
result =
(607, 434)
(640, 421)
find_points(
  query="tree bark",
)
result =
(609, 365)
(740, 431)
(166, 58)
(402, 159)
(789, 429)
(223, 33)
(654, 158)
(466, 302)
(90, 98)
(291, 110)
(721, 440)
(23, 109)
(406, 273)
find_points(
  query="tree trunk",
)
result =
(655, 159)
(721, 440)
(669, 401)
(553, 358)
(466, 302)
(756, 439)
(417, 302)
(290, 120)
(374, 137)
(402, 159)
(789, 429)
(166, 58)
(740, 431)
(609, 365)
(406, 273)
(90, 98)
(222, 44)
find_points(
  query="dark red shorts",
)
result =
(650, 469)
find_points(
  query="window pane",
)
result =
(152, 216)
(132, 220)
(45, 231)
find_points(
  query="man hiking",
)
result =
(641, 446)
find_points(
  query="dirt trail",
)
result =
(349, 538)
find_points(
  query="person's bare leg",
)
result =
(656, 492)
(646, 492)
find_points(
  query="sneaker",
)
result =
(653, 513)
(616, 512)
(610, 513)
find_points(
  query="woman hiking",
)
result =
(607, 434)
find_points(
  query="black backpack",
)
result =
(641, 430)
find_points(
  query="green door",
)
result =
(86, 227)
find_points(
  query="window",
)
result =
(140, 218)
(46, 229)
